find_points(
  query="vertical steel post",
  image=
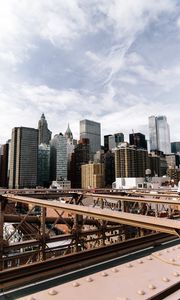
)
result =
(43, 233)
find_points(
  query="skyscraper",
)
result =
(44, 132)
(175, 147)
(130, 161)
(91, 130)
(79, 157)
(115, 139)
(44, 165)
(23, 158)
(71, 143)
(58, 157)
(138, 139)
(4, 165)
(159, 135)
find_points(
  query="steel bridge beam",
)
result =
(154, 198)
(152, 223)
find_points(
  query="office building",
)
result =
(92, 175)
(106, 142)
(130, 161)
(138, 139)
(58, 158)
(109, 168)
(154, 164)
(71, 143)
(91, 130)
(44, 165)
(175, 147)
(23, 158)
(159, 134)
(4, 165)
(80, 156)
(114, 140)
(44, 132)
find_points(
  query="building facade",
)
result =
(4, 165)
(58, 157)
(138, 139)
(44, 132)
(159, 134)
(44, 165)
(130, 161)
(92, 175)
(80, 156)
(91, 130)
(23, 158)
(175, 147)
(115, 139)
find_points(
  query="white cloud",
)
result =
(94, 40)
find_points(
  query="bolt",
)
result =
(141, 292)
(115, 270)
(172, 260)
(176, 274)
(149, 258)
(104, 274)
(89, 279)
(151, 286)
(31, 298)
(122, 298)
(129, 265)
(140, 261)
(52, 292)
(165, 279)
(76, 284)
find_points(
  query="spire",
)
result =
(68, 133)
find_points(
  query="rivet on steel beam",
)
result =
(149, 257)
(151, 286)
(167, 251)
(52, 292)
(76, 284)
(89, 279)
(165, 279)
(159, 253)
(104, 274)
(115, 270)
(129, 265)
(122, 298)
(172, 260)
(176, 274)
(141, 292)
(31, 298)
(140, 261)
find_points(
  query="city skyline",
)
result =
(113, 62)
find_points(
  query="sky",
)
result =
(115, 62)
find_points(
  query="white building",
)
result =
(59, 157)
(159, 134)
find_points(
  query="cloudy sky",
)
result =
(116, 62)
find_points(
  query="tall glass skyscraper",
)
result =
(159, 134)
(58, 157)
(91, 130)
